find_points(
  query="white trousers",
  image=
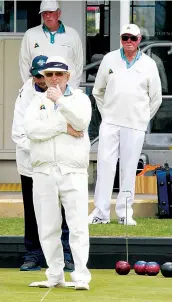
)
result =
(117, 142)
(49, 191)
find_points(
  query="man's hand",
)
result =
(73, 132)
(54, 93)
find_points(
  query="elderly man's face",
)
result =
(130, 42)
(54, 78)
(51, 19)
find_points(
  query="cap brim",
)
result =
(48, 10)
(34, 72)
(53, 69)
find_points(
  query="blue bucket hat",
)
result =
(38, 64)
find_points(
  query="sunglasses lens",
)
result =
(125, 38)
(59, 74)
(133, 38)
(49, 74)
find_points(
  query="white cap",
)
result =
(48, 5)
(55, 63)
(132, 29)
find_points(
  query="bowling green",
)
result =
(105, 286)
(146, 227)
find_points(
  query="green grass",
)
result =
(146, 227)
(105, 286)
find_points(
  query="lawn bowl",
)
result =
(166, 269)
(139, 267)
(122, 267)
(152, 268)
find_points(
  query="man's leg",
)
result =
(74, 197)
(69, 264)
(131, 142)
(108, 152)
(48, 213)
(31, 239)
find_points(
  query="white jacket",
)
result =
(127, 97)
(68, 45)
(26, 94)
(47, 129)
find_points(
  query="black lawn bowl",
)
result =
(166, 269)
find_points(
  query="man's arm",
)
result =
(76, 109)
(22, 102)
(162, 72)
(100, 86)
(42, 125)
(78, 57)
(25, 59)
(154, 90)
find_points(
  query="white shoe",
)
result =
(47, 284)
(94, 213)
(96, 218)
(129, 221)
(80, 285)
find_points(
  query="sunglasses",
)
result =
(126, 38)
(38, 76)
(56, 73)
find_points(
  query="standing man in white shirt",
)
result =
(52, 38)
(33, 86)
(57, 125)
(128, 94)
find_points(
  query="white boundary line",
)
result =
(45, 295)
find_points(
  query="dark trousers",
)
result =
(31, 238)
